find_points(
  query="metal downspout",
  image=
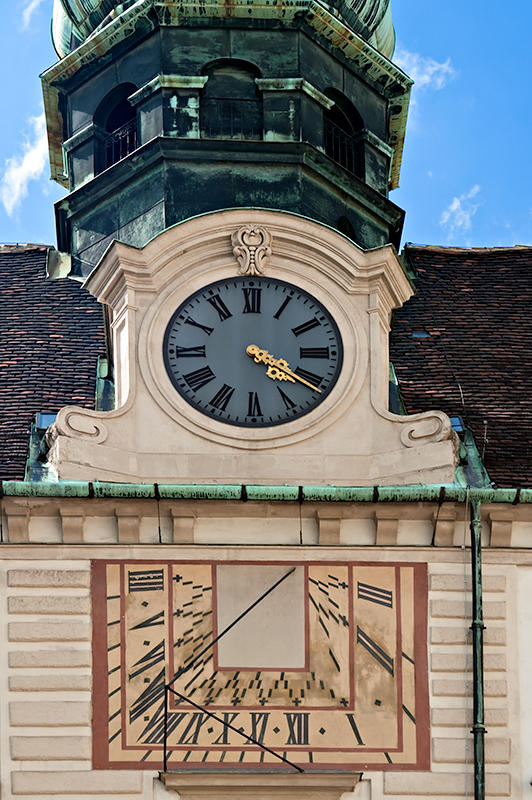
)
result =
(477, 628)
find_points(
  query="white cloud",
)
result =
(29, 166)
(28, 12)
(460, 211)
(426, 72)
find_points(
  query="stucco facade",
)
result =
(48, 662)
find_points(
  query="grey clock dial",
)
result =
(253, 351)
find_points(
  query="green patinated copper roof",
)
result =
(327, 494)
(74, 21)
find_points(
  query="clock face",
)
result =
(253, 351)
(321, 664)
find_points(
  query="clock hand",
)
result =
(278, 368)
(168, 688)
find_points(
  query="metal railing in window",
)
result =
(120, 143)
(231, 119)
(343, 148)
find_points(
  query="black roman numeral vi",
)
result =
(254, 409)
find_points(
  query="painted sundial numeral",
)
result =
(314, 352)
(145, 580)
(374, 650)
(383, 597)
(153, 693)
(155, 656)
(190, 352)
(218, 304)
(199, 377)
(259, 723)
(157, 619)
(193, 727)
(228, 719)
(252, 298)
(297, 727)
(354, 728)
(306, 326)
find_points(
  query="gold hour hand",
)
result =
(277, 368)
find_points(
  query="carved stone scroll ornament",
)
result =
(77, 423)
(252, 248)
(425, 428)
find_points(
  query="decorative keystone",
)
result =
(252, 248)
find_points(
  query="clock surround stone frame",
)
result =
(154, 435)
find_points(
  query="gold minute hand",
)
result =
(278, 368)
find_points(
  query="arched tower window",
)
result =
(117, 121)
(342, 123)
(231, 105)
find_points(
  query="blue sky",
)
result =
(466, 170)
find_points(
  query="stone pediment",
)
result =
(167, 429)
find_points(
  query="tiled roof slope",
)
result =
(51, 333)
(477, 362)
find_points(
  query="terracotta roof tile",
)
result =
(51, 333)
(477, 360)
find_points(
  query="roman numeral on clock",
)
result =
(199, 377)
(251, 301)
(297, 727)
(311, 377)
(288, 402)
(190, 352)
(205, 328)
(222, 397)
(306, 326)
(282, 307)
(254, 409)
(314, 352)
(383, 597)
(374, 650)
(218, 304)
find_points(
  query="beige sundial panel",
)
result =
(319, 664)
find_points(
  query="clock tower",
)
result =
(160, 111)
(228, 167)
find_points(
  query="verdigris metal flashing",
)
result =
(327, 494)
